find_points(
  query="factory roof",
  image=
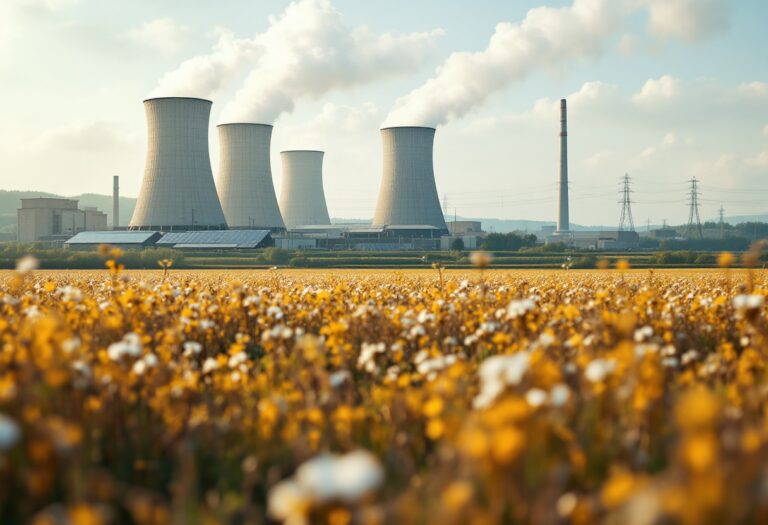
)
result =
(114, 237)
(411, 227)
(214, 239)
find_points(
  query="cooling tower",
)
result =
(178, 192)
(245, 177)
(408, 195)
(302, 200)
(563, 219)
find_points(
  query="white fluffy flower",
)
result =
(27, 264)
(10, 433)
(536, 397)
(287, 501)
(346, 478)
(520, 307)
(559, 395)
(599, 369)
(130, 346)
(748, 302)
(192, 348)
(496, 373)
(209, 365)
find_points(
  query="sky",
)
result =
(664, 90)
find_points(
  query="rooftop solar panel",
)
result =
(112, 237)
(222, 238)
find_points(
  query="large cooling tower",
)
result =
(178, 192)
(245, 184)
(302, 200)
(408, 195)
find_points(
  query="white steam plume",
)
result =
(305, 52)
(546, 38)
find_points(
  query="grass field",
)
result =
(383, 396)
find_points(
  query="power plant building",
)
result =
(245, 184)
(55, 220)
(302, 199)
(408, 193)
(178, 191)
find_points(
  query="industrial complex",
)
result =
(180, 206)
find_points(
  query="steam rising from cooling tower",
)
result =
(563, 219)
(177, 191)
(302, 199)
(408, 194)
(245, 177)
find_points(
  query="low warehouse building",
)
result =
(125, 240)
(217, 240)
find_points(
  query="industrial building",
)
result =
(302, 198)
(470, 233)
(178, 191)
(408, 193)
(597, 240)
(125, 240)
(55, 220)
(216, 240)
(245, 184)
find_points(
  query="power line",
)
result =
(626, 222)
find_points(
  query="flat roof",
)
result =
(113, 237)
(215, 238)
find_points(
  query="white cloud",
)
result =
(765, 130)
(162, 34)
(689, 20)
(658, 91)
(48, 5)
(89, 136)
(305, 52)
(754, 89)
(759, 161)
(628, 45)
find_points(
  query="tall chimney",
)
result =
(563, 220)
(115, 202)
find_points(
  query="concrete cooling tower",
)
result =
(177, 192)
(245, 184)
(302, 200)
(408, 195)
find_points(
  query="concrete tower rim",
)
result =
(151, 99)
(302, 151)
(407, 127)
(245, 124)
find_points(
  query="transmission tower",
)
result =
(445, 204)
(694, 220)
(721, 213)
(626, 222)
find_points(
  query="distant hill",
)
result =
(10, 201)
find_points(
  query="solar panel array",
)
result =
(112, 237)
(217, 238)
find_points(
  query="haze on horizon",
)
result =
(662, 89)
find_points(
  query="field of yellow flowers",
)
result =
(299, 397)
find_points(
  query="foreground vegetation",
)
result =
(626, 397)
